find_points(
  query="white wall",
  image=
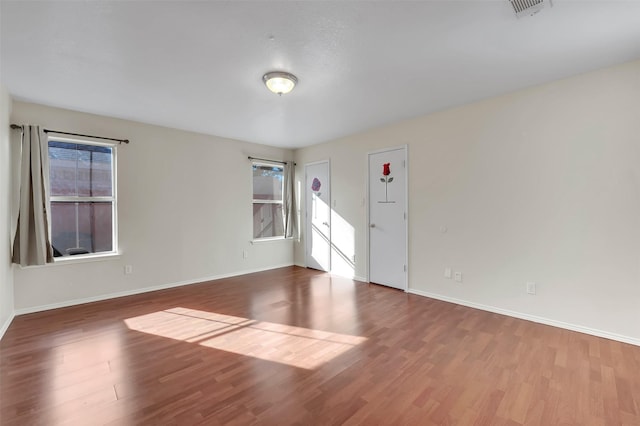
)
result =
(184, 207)
(6, 271)
(540, 185)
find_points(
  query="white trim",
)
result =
(254, 201)
(269, 240)
(277, 163)
(80, 199)
(257, 201)
(114, 204)
(6, 325)
(86, 140)
(313, 163)
(81, 258)
(406, 217)
(533, 318)
(367, 214)
(355, 278)
(113, 199)
(22, 311)
(405, 149)
(392, 148)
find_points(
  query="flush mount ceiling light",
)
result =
(524, 8)
(280, 82)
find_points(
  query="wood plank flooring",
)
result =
(296, 346)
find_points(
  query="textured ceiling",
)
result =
(198, 65)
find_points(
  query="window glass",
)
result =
(267, 182)
(268, 219)
(81, 228)
(82, 198)
(82, 170)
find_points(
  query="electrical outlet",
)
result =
(458, 277)
(245, 254)
(128, 269)
(447, 273)
(531, 287)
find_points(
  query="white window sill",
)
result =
(68, 260)
(270, 240)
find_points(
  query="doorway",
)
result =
(388, 217)
(318, 216)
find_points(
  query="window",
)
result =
(81, 177)
(268, 218)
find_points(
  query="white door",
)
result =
(318, 216)
(387, 218)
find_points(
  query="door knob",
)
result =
(325, 223)
(373, 225)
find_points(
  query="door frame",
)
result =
(307, 223)
(405, 148)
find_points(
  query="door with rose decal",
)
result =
(318, 216)
(388, 217)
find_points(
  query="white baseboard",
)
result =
(533, 318)
(355, 278)
(66, 303)
(6, 325)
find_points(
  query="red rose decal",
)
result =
(386, 171)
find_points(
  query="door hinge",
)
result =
(405, 268)
(404, 163)
(405, 215)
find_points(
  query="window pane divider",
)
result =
(76, 199)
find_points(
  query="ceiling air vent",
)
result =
(524, 8)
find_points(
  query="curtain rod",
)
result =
(271, 161)
(15, 126)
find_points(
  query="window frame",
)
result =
(261, 201)
(88, 199)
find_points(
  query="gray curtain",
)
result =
(288, 198)
(30, 223)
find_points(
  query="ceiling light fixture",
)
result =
(280, 82)
(524, 8)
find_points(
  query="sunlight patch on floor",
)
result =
(285, 344)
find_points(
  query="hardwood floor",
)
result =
(296, 346)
